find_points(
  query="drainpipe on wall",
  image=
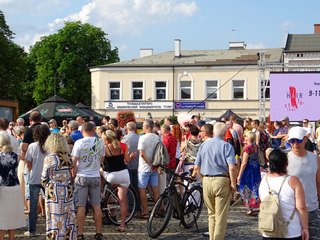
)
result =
(173, 92)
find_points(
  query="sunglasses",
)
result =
(295, 140)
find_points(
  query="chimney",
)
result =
(316, 28)
(237, 46)
(146, 52)
(177, 48)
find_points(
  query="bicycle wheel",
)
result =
(160, 215)
(192, 204)
(111, 208)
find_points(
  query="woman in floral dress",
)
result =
(249, 176)
(57, 180)
(11, 202)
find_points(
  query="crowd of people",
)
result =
(53, 172)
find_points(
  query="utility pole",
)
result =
(262, 85)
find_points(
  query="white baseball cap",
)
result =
(297, 133)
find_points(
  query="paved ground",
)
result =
(240, 226)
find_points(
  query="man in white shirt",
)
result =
(147, 174)
(87, 155)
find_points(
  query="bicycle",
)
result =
(110, 205)
(186, 207)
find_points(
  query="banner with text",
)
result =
(295, 95)
(138, 105)
(190, 105)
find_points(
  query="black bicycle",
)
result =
(110, 205)
(186, 206)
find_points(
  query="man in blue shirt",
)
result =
(216, 163)
(75, 134)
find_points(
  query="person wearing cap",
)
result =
(285, 127)
(53, 126)
(200, 123)
(305, 165)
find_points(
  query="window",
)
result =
(114, 90)
(137, 90)
(238, 89)
(161, 90)
(267, 92)
(185, 89)
(212, 87)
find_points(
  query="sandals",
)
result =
(80, 237)
(121, 229)
(252, 213)
(144, 216)
(98, 236)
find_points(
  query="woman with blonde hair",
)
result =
(116, 172)
(11, 202)
(249, 174)
(57, 181)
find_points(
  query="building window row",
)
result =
(185, 90)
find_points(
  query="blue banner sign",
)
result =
(190, 105)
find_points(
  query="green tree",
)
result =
(65, 57)
(12, 65)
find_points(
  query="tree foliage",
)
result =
(12, 65)
(65, 57)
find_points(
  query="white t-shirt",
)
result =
(36, 157)
(89, 150)
(148, 143)
(287, 202)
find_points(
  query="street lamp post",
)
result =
(60, 77)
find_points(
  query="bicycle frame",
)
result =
(176, 197)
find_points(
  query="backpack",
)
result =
(160, 155)
(270, 221)
(192, 150)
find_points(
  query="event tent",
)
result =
(57, 108)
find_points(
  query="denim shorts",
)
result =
(85, 187)
(147, 177)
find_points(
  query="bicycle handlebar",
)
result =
(182, 176)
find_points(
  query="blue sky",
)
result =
(135, 24)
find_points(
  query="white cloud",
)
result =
(6, 2)
(117, 18)
(129, 16)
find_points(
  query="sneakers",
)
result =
(98, 236)
(30, 234)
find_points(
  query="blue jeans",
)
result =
(34, 190)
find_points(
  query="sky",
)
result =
(134, 24)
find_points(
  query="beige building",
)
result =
(207, 82)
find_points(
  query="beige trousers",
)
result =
(216, 195)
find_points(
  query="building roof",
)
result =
(203, 58)
(303, 43)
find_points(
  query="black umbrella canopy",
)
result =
(96, 117)
(227, 115)
(57, 108)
